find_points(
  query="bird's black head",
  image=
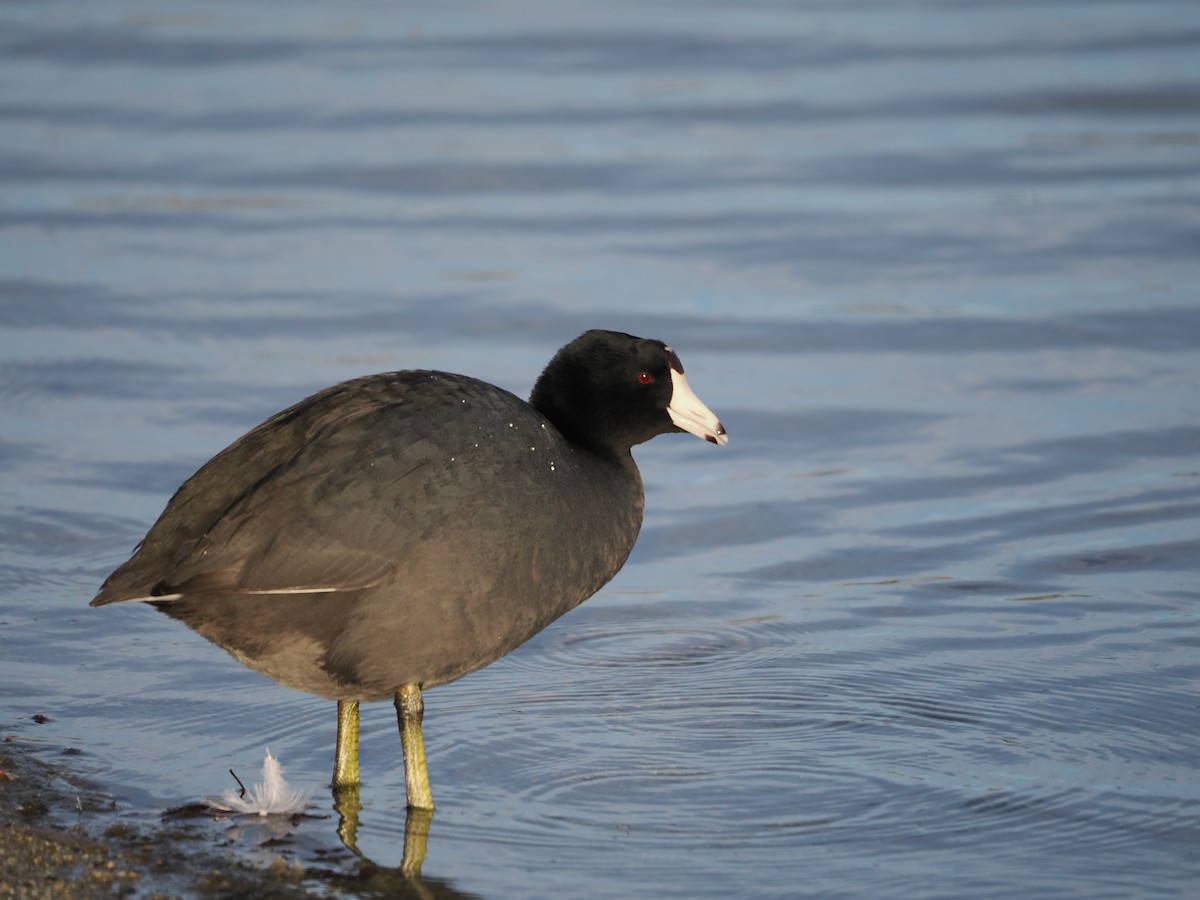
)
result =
(608, 391)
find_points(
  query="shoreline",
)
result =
(61, 836)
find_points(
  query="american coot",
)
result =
(398, 531)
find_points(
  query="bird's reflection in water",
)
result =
(358, 878)
(416, 829)
(347, 806)
(371, 880)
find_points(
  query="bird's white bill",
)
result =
(690, 414)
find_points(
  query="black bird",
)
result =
(397, 531)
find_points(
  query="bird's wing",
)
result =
(327, 496)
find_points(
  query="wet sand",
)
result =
(62, 837)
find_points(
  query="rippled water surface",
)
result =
(928, 625)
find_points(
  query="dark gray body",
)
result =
(443, 520)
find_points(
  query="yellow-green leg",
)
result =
(345, 756)
(410, 709)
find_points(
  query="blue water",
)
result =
(927, 627)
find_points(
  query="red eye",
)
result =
(645, 378)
